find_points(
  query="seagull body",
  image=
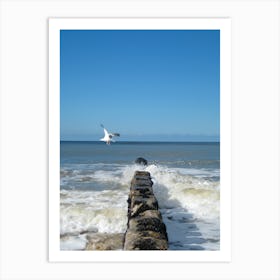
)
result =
(108, 137)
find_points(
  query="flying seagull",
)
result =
(108, 137)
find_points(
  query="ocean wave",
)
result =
(92, 211)
(105, 207)
(177, 188)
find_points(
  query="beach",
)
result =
(94, 187)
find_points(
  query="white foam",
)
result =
(175, 189)
(185, 186)
(73, 243)
(103, 211)
(199, 172)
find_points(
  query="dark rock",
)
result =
(141, 161)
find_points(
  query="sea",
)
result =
(94, 187)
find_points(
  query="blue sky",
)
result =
(145, 84)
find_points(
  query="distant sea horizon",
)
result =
(144, 141)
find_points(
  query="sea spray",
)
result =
(198, 195)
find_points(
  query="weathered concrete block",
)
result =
(102, 241)
(141, 234)
(142, 189)
(147, 240)
(141, 205)
(147, 223)
(142, 181)
(145, 228)
(142, 173)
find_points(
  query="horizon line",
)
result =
(137, 141)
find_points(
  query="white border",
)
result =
(255, 123)
(222, 24)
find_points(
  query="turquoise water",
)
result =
(95, 180)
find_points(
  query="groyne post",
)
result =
(145, 228)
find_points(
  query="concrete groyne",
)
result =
(145, 228)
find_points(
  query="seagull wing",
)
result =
(106, 133)
(115, 134)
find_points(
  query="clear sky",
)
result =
(144, 84)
